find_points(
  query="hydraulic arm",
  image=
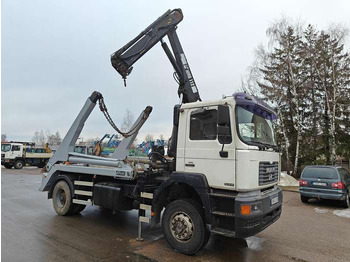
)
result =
(166, 25)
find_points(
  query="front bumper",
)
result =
(249, 225)
(6, 161)
(319, 193)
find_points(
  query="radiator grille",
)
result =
(268, 173)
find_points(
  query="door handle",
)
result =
(191, 164)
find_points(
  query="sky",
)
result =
(54, 54)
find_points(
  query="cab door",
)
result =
(16, 151)
(204, 153)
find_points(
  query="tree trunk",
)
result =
(286, 140)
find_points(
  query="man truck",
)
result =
(18, 155)
(220, 173)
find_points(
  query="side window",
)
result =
(203, 125)
(16, 148)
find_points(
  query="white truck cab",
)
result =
(249, 148)
(10, 155)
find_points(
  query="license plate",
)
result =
(319, 184)
(274, 200)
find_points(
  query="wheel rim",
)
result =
(61, 198)
(181, 227)
(348, 200)
(19, 164)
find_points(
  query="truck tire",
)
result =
(62, 199)
(304, 199)
(19, 164)
(183, 226)
(8, 166)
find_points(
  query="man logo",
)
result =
(270, 170)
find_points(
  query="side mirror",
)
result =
(224, 131)
(224, 125)
(176, 115)
(223, 115)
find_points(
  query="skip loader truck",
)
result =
(220, 173)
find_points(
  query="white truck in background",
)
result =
(220, 173)
(18, 155)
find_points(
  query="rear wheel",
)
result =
(42, 164)
(19, 164)
(62, 199)
(183, 226)
(8, 166)
(346, 202)
(304, 199)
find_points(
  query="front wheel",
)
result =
(18, 164)
(183, 226)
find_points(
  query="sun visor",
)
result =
(255, 105)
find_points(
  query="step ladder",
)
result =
(216, 197)
(78, 192)
(144, 197)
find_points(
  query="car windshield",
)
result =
(254, 128)
(5, 147)
(320, 172)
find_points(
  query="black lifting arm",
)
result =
(123, 59)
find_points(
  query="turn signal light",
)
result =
(245, 209)
(338, 185)
(302, 182)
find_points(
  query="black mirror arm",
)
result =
(223, 153)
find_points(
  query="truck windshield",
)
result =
(254, 129)
(5, 147)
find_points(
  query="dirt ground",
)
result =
(31, 231)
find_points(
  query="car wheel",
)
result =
(346, 202)
(62, 199)
(18, 164)
(183, 226)
(304, 199)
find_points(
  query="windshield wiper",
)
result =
(264, 146)
(258, 144)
